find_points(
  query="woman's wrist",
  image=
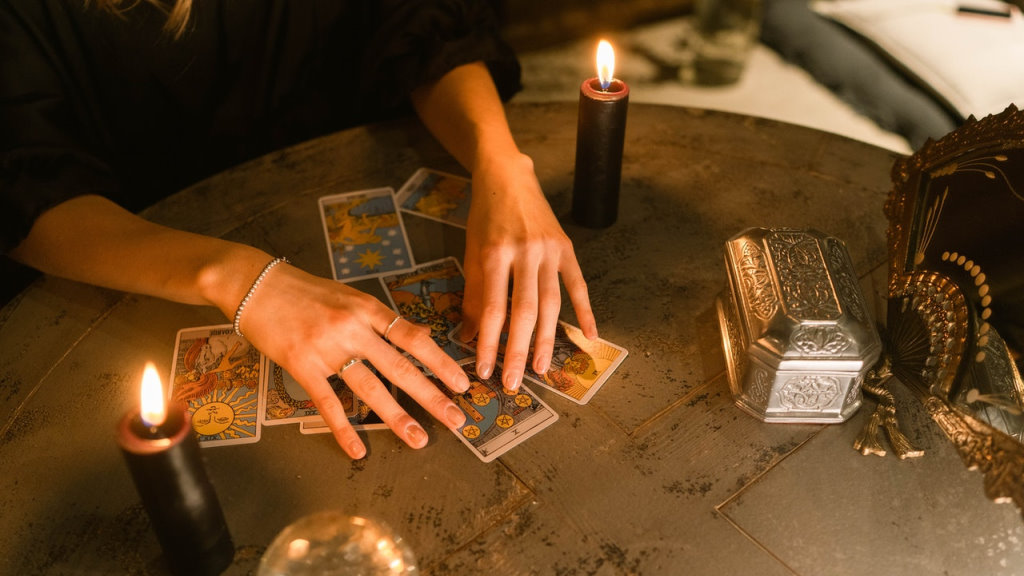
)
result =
(227, 278)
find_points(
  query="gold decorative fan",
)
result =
(955, 320)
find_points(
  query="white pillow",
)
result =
(974, 63)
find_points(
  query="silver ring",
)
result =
(349, 364)
(387, 330)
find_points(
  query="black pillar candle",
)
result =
(600, 136)
(168, 472)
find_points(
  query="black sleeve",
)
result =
(44, 158)
(417, 42)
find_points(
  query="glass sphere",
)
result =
(331, 543)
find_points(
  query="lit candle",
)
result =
(163, 457)
(600, 136)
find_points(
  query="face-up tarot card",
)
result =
(438, 196)
(359, 414)
(579, 367)
(365, 234)
(431, 294)
(287, 401)
(363, 419)
(497, 421)
(218, 375)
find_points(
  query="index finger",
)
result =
(576, 287)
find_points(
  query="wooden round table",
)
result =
(659, 474)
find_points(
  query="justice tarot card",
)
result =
(497, 421)
(437, 195)
(365, 234)
(218, 375)
(431, 294)
(287, 401)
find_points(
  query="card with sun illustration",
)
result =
(218, 375)
(437, 195)
(431, 295)
(365, 234)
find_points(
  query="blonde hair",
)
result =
(177, 13)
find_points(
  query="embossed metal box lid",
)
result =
(797, 334)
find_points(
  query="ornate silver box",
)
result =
(797, 334)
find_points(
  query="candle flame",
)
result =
(605, 63)
(152, 409)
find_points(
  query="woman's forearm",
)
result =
(465, 114)
(92, 240)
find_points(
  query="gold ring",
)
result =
(387, 330)
(349, 364)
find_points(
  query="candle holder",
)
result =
(600, 137)
(169, 475)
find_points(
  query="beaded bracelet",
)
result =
(252, 290)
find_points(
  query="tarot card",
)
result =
(287, 401)
(497, 421)
(218, 375)
(579, 367)
(437, 195)
(359, 414)
(364, 418)
(431, 294)
(365, 234)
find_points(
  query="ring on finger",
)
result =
(387, 331)
(349, 364)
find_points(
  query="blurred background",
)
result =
(892, 73)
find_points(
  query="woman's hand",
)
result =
(314, 326)
(512, 234)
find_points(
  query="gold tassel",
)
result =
(868, 441)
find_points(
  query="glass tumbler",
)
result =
(727, 31)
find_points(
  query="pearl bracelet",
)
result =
(252, 290)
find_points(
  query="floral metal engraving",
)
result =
(821, 340)
(762, 384)
(809, 392)
(756, 281)
(807, 291)
(845, 282)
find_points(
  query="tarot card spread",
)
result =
(218, 375)
(497, 421)
(365, 234)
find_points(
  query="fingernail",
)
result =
(542, 364)
(512, 382)
(454, 416)
(356, 450)
(416, 436)
(461, 383)
(483, 369)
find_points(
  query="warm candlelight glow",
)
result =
(152, 406)
(605, 63)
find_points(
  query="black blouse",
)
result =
(96, 103)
